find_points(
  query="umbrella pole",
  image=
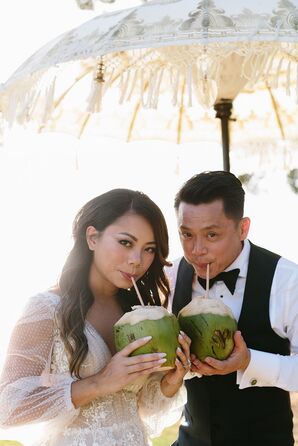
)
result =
(223, 112)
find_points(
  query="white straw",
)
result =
(137, 291)
(207, 281)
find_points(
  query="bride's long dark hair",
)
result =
(76, 296)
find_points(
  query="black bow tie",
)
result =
(228, 277)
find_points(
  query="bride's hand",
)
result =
(124, 369)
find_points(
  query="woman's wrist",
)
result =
(86, 390)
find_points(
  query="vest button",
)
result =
(253, 382)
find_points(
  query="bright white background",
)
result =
(44, 179)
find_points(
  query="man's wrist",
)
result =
(169, 389)
(247, 361)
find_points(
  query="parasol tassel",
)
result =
(288, 81)
(24, 106)
(133, 84)
(49, 102)
(270, 64)
(152, 85)
(142, 87)
(94, 100)
(278, 70)
(259, 67)
(157, 89)
(11, 110)
(175, 87)
(189, 84)
(124, 87)
(297, 84)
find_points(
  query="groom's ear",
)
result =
(244, 227)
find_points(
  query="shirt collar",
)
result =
(241, 261)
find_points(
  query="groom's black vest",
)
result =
(217, 413)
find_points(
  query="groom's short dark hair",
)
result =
(209, 186)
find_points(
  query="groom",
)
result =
(243, 400)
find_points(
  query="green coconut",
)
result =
(211, 325)
(153, 321)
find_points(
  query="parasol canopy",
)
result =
(188, 55)
(91, 4)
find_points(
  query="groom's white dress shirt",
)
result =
(264, 369)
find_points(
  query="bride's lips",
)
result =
(128, 276)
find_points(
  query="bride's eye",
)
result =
(126, 243)
(151, 249)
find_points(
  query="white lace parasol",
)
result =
(162, 54)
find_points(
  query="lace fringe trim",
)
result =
(186, 72)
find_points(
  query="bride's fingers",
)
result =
(126, 351)
(183, 351)
(146, 366)
(184, 338)
(149, 357)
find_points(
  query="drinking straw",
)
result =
(137, 291)
(207, 282)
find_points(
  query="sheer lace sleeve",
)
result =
(29, 392)
(158, 411)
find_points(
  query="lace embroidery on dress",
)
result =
(35, 386)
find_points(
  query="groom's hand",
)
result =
(238, 360)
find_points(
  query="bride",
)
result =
(62, 368)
